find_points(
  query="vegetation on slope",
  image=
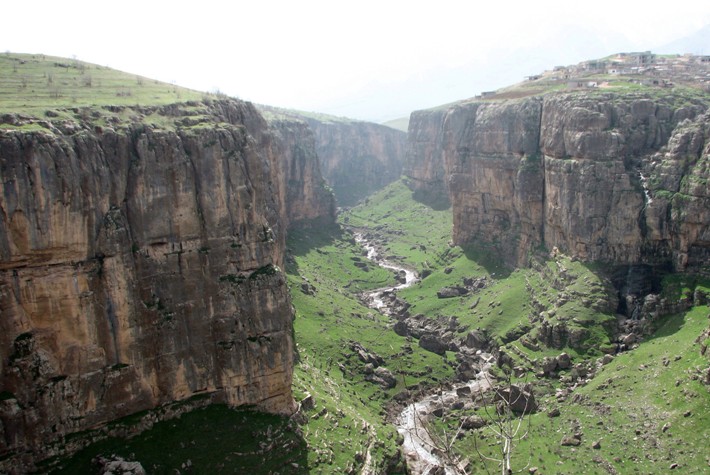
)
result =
(645, 412)
(34, 84)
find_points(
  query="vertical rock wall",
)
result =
(139, 265)
(605, 177)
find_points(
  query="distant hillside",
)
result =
(33, 83)
(400, 124)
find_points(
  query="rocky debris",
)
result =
(308, 403)
(440, 334)
(563, 361)
(380, 375)
(117, 465)
(308, 288)
(463, 392)
(432, 342)
(550, 365)
(554, 412)
(477, 339)
(366, 356)
(597, 444)
(450, 292)
(470, 285)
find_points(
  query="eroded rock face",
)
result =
(613, 178)
(358, 158)
(140, 265)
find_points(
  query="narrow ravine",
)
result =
(422, 453)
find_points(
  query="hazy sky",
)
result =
(372, 60)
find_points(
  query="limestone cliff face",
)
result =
(614, 178)
(139, 264)
(307, 196)
(358, 158)
(424, 164)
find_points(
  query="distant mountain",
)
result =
(696, 43)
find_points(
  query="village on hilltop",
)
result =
(643, 68)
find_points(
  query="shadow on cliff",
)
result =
(489, 258)
(213, 439)
(438, 201)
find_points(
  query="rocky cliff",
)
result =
(307, 196)
(140, 256)
(617, 178)
(358, 158)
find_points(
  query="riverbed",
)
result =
(422, 454)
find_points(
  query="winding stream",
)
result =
(420, 450)
(375, 298)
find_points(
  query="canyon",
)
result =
(143, 248)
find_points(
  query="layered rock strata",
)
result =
(140, 264)
(618, 178)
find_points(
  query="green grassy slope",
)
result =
(645, 412)
(34, 84)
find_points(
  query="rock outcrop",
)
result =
(358, 158)
(617, 178)
(140, 264)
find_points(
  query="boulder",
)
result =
(401, 328)
(520, 399)
(570, 441)
(433, 343)
(548, 365)
(387, 379)
(473, 422)
(563, 361)
(476, 339)
(450, 292)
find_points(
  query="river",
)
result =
(422, 454)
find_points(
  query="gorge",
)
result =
(193, 252)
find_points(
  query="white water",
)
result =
(375, 297)
(644, 184)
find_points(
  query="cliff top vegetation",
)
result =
(35, 83)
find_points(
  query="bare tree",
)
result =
(508, 415)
